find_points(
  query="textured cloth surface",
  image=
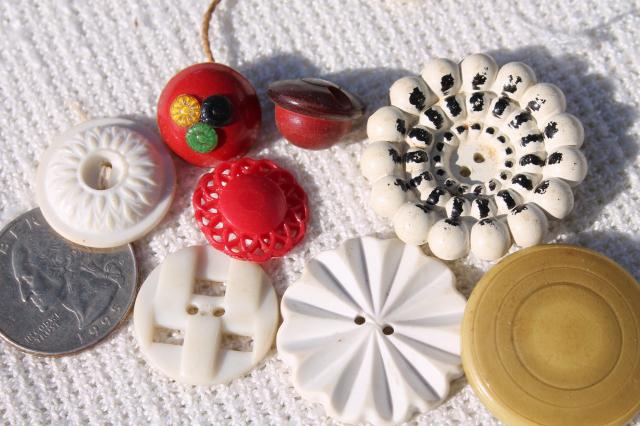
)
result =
(64, 62)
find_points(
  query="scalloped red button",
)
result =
(251, 209)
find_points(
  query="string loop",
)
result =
(204, 31)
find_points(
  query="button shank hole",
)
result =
(218, 312)
(478, 158)
(102, 170)
(387, 330)
(192, 310)
(465, 171)
(359, 319)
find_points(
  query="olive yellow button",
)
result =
(551, 336)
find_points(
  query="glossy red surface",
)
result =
(253, 203)
(310, 132)
(251, 209)
(202, 81)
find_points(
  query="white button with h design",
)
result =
(204, 318)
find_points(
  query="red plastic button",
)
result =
(186, 101)
(253, 203)
(251, 209)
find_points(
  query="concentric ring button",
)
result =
(551, 336)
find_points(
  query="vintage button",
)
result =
(56, 297)
(371, 331)
(251, 209)
(204, 318)
(313, 113)
(479, 135)
(221, 104)
(105, 183)
(551, 337)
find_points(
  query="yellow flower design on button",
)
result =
(185, 110)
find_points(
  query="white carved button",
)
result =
(371, 331)
(105, 183)
(204, 318)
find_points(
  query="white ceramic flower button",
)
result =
(204, 318)
(471, 156)
(105, 183)
(371, 331)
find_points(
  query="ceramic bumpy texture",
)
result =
(470, 157)
(371, 331)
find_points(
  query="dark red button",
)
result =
(251, 209)
(313, 113)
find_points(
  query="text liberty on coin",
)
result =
(57, 297)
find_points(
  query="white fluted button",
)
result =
(105, 183)
(371, 331)
(544, 100)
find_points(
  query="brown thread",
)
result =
(204, 31)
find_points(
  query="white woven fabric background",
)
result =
(63, 62)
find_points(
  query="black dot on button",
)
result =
(216, 111)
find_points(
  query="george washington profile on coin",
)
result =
(53, 276)
(57, 297)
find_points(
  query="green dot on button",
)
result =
(202, 138)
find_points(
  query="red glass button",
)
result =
(251, 209)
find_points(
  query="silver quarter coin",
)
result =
(56, 297)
